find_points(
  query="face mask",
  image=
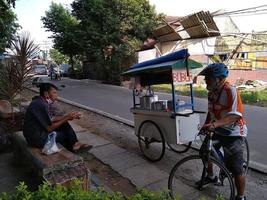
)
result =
(49, 101)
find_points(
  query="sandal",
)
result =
(83, 148)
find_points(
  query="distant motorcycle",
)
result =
(55, 74)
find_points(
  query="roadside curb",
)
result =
(253, 165)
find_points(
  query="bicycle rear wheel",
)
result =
(180, 148)
(185, 175)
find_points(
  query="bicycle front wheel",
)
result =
(185, 178)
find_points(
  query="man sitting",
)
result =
(39, 122)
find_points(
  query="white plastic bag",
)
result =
(50, 146)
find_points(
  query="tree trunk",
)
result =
(72, 62)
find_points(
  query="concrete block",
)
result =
(121, 162)
(108, 150)
(144, 174)
(86, 137)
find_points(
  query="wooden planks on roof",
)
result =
(197, 25)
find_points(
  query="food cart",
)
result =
(160, 121)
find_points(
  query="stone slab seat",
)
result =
(60, 168)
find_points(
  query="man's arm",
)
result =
(64, 119)
(57, 118)
(227, 120)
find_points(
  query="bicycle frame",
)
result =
(205, 152)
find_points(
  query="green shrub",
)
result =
(45, 192)
(255, 97)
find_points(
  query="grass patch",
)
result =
(258, 98)
(183, 90)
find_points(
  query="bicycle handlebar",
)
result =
(219, 131)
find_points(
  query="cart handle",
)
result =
(179, 114)
(187, 114)
(201, 112)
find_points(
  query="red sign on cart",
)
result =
(180, 77)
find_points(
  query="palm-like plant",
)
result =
(24, 51)
(14, 71)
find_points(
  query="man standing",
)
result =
(225, 110)
(39, 122)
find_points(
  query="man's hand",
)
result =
(71, 116)
(209, 126)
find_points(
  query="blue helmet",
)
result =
(215, 70)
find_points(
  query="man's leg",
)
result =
(61, 139)
(234, 162)
(240, 182)
(66, 136)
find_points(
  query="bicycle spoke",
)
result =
(186, 178)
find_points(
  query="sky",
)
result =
(29, 13)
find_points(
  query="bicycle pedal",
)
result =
(219, 183)
(206, 182)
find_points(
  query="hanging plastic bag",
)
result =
(50, 146)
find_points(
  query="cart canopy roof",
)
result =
(163, 65)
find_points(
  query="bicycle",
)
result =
(191, 172)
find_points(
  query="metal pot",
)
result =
(160, 105)
(146, 101)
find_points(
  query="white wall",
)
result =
(194, 46)
(146, 55)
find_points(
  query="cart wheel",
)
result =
(180, 148)
(151, 141)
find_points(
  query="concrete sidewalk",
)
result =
(139, 171)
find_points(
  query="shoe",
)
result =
(207, 181)
(83, 148)
(240, 198)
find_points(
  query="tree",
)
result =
(65, 30)
(8, 24)
(58, 57)
(121, 24)
(95, 27)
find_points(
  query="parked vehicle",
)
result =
(40, 70)
(64, 69)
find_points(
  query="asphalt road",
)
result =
(117, 101)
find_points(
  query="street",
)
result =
(117, 101)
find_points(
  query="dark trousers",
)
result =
(66, 136)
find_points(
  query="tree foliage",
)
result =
(8, 23)
(120, 23)
(95, 27)
(65, 30)
(58, 57)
